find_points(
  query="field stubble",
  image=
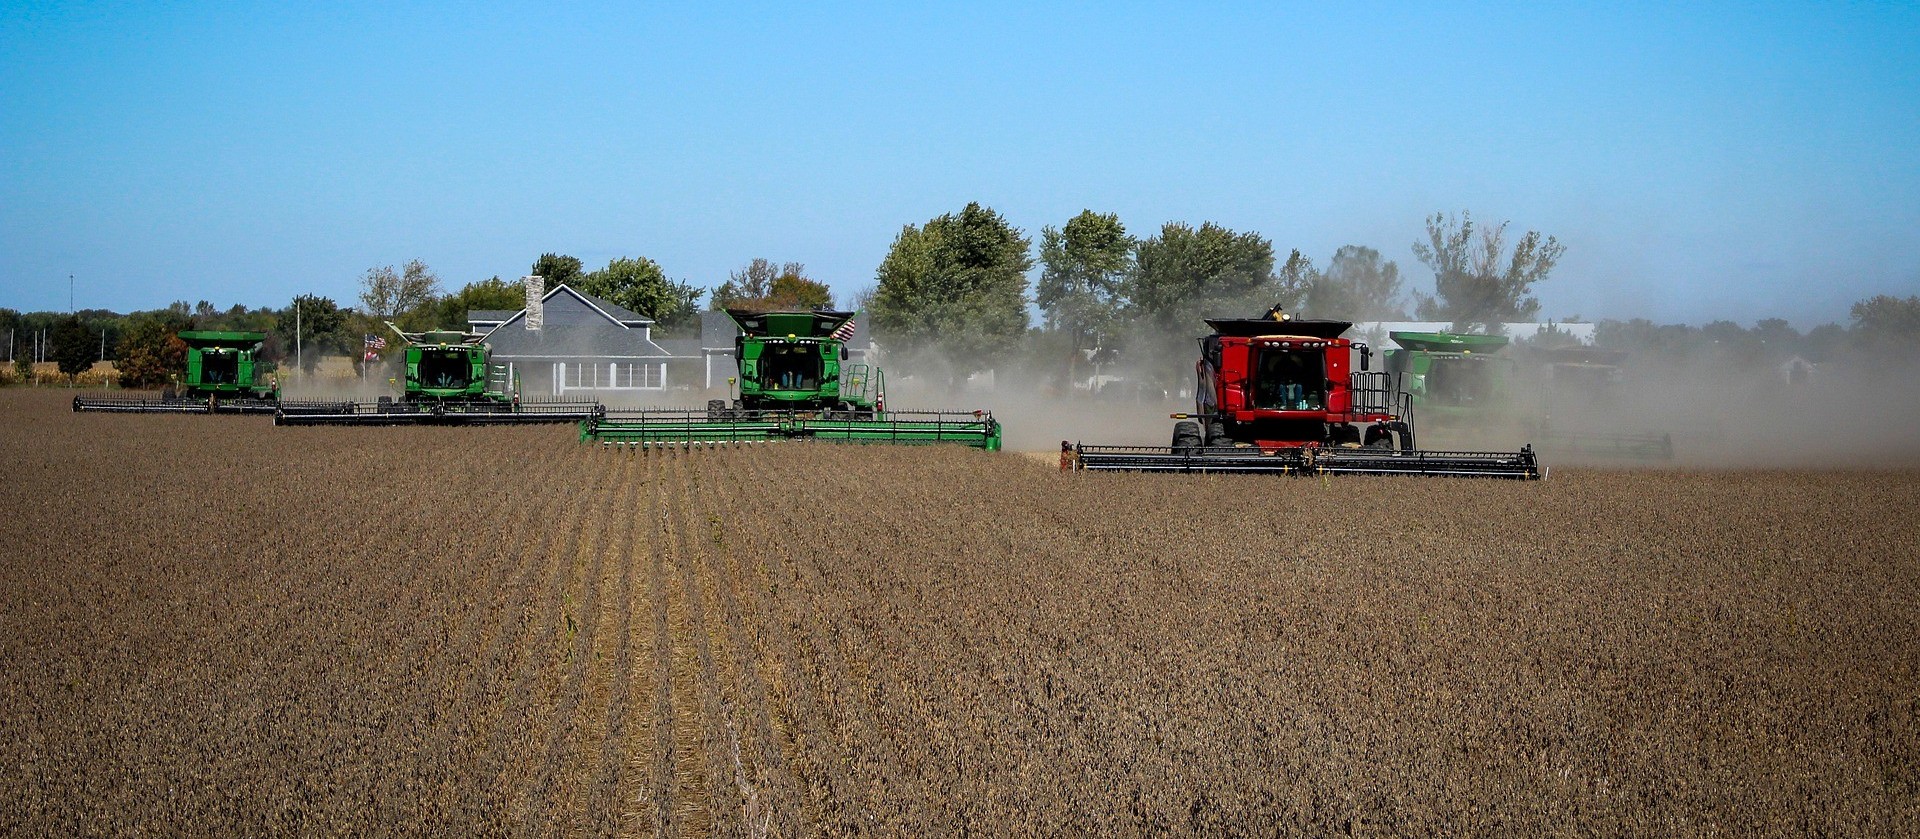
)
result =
(214, 625)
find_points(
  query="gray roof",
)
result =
(610, 342)
(613, 311)
(576, 326)
(683, 347)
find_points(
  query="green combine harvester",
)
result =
(1460, 383)
(1455, 380)
(450, 380)
(795, 383)
(224, 376)
(1579, 386)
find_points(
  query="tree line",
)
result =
(147, 351)
(952, 296)
(954, 291)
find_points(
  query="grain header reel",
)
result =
(795, 382)
(225, 375)
(1276, 395)
(450, 379)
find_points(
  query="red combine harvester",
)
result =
(1281, 395)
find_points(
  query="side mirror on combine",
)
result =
(1366, 357)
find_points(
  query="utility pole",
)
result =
(299, 356)
(69, 294)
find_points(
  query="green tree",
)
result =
(75, 347)
(1186, 274)
(955, 290)
(1084, 267)
(323, 330)
(795, 292)
(556, 269)
(150, 352)
(639, 284)
(1357, 285)
(760, 285)
(1472, 287)
(493, 293)
(1884, 320)
(407, 297)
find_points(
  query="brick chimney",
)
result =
(536, 310)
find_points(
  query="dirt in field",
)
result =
(211, 625)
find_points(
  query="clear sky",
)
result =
(1700, 161)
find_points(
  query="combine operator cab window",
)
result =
(1287, 380)
(219, 368)
(790, 367)
(444, 370)
(1460, 381)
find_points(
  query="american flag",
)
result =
(371, 356)
(844, 332)
(376, 342)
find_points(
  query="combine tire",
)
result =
(716, 409)
(1186, 436)
(1345, 435)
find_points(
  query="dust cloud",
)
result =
(1852, 412)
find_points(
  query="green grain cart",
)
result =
(796, 383)
(225, 375)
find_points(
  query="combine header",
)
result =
(1279, 395)
(450, 380)
(224, 376)
(795, 383)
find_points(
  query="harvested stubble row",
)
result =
(214, 626)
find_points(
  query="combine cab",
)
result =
(795, 384)
(224, 376)
(1278, 395)
(450, 380)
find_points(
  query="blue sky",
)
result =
(1711, 161)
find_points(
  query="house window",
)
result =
(609, 375)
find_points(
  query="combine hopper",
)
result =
(1281, 396)
(224, 376)
(450, 380)
(796, 383)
